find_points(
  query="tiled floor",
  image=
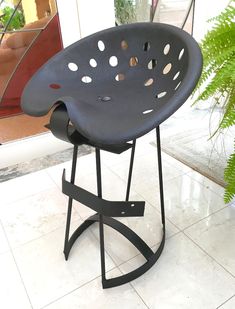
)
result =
(197, 266)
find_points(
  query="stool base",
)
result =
(106, 210)
(150, 256)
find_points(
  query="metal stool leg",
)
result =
(160, 175)
(101, 225)
(70, 202)
(130, 170)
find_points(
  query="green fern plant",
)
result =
(218, 78)
(229, 176)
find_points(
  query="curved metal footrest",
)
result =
(104, 207)
(150, 256)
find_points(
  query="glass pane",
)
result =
(172, 11)
(12, 49)
(130, 11)
(167, 11)
(30, 35)
(11, 15)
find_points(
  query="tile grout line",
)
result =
(155, 244)
(31, 194)
(139, 254)
(201, 248)
(74, 209)
(39, 237)
(213, 213)
(225, 302)
(201, 182)
(23, 167)
(12, 252)
(17, 267)
(156, 208)
(118, 266)
(139, 295)
(80, 286)
(130, 283)
(182, 232)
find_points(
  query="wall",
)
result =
(205, 10)
(30, 11)
(79, 18)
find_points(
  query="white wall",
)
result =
(69, 22)
(79, 18)
(95, 15)
(204, 10)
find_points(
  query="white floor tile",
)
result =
(21, 187)
(30, 148)
(177, 164)
(12, 291)
(184, 277)
(47, 276)
(143, 147)
(109, 159)
(34, 216)
(3, 241)
(208, 183)
(187, 201)
(229, 304)
(85, 166)
(113, 188)
(145, 167)
(55, 172)
(145, 175)
(92, 295)
(216, 235)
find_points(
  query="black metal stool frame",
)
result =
(144, 249)
(109, 89)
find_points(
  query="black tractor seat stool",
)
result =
(107, 90)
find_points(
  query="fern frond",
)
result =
(228, 14)
(223, 81)
(229, 177)
(229, 115)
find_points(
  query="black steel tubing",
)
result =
(159, 157)
(150, 256)
(70, 202)
(130, 170)
(101, 225)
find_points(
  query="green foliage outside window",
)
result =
(218, 79)
(17, 21)
(125, 11)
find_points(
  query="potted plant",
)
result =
(218, 79)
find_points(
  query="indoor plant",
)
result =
(218, 79)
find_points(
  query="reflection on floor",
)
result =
(21, 126)
(196, 269)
